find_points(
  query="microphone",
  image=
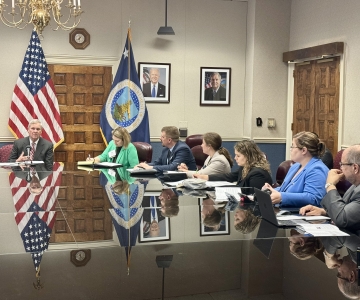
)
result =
(28, 176)
(28, 149)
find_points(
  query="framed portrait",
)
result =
(154, 227)
(155, 81)
(222, 228)
(215, 86)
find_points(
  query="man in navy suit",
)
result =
(43, 149)
(174, 153)
(154, 88)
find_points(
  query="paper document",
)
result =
(173, 183)
(99, 164)
(172, 172)
(141, 171)
(322, 230)
(298, 217)
(8, 164)
(220, 193)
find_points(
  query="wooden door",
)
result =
(316, 100)
(81, 92)
(82, 209)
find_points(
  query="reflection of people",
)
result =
(119, 150)
(246, 220)
(43, 149)
(154, 88)
(169, 203)
(212, 214)
(305, 181)
(303, 247)
(343, 211)
(174, 153)
(216, 91)
(254, 169)
(218, 160)
(152, 216)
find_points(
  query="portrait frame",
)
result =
(222, 94)
(224, 228)
(164, 223)
(163, 93)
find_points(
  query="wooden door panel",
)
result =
(81, 91)
(316, 100)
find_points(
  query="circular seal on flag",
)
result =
(125, 106)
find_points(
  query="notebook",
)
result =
(267, 210)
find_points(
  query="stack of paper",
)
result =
(220, 193)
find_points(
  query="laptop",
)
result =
(267, 210)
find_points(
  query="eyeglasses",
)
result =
(343, 278)
(345, 164)
(292, 147)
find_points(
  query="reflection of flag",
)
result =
(125, 105)
(25, 201)
(34, 97)
(35, 230)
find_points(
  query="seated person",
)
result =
(218, 160)
(41, 149)
(119, 150)
(254, 169)
(343, 211)
(305, 181)
(174, 153)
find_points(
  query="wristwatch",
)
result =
(328, 184)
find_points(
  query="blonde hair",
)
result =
(123, 134)
(254, 156)
(311, 141)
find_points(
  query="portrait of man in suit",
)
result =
(154, 88)
(216, 91)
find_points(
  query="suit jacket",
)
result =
(127, 157)
(147, 209)
(161, 91)
(181, 153)
(218, 164)
(308, 187)
(220, 94)
(344, 212)
(44, 151)
(256, 177)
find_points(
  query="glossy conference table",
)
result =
(186, 260)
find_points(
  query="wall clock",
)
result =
(80, 257)
(79, 38)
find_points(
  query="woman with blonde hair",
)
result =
(120, 150)
(254, 169)
(218, 160)
(305, 181)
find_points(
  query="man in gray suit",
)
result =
(343, 211)
(41, 149)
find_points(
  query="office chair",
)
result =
(144, 151)
(5, 152)
(282, 170)
(199, 156)
(194, 140)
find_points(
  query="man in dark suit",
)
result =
(154, 88)
(216, 91)
(343, 211)
(41, 149)
(174, 153)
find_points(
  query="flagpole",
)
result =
(129, 59)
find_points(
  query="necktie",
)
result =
(214, 94)
(32, 151)
(153, 92)
(153, 217)
(168, 157)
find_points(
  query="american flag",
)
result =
(24, 201)
(34, 97)
(207, 80)
(35, 230)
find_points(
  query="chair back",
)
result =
(199, 156)
(342, 187)
(337, 159)
(194, 140)
(282, 170)
(5, 152)
(144, 151)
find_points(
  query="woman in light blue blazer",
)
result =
(119, 150)
(305, 181)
